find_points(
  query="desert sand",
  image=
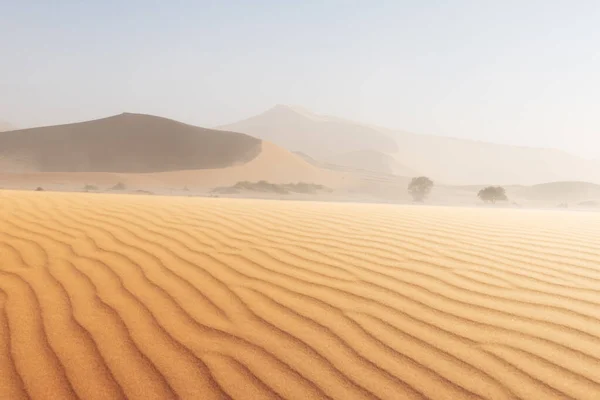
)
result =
(272, 163)
(147, 297)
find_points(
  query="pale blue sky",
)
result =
(518, 72)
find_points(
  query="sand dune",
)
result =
(446, 160)
(560, 191)
(113, 296)
(372, 160)
(147, 152)
(272, 164)
(299, 130)
(126, 143)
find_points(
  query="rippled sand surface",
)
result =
(114, 296)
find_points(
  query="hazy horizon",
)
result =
(510, 73)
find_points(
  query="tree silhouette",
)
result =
(119, 186)
(492, 194)
(420, 187)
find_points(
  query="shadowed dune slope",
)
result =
(273, 164)
(126, 143)
(113, 297)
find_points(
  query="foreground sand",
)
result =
(109, 296)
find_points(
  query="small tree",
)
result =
(492, 194)
(420, 187)
(119, 186)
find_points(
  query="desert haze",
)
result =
(116, 296)
(299, 200)
(448, 160)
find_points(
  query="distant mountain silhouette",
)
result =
(463, 161)
(127, 143)
(446, 160)
(299, 130)
(371, 160)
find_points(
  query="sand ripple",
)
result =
(114, 297)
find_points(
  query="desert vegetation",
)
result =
(420, 187)
(119, 186)
(267, 187)
(492, 194)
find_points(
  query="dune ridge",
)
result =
(115, 296)
(125, 143)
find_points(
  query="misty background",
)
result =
(513, 72)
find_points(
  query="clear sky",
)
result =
(520, 72)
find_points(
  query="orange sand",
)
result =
(113, 296)
(274, 164)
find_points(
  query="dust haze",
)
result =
(318, 200)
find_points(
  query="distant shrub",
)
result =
(492, 194)
(267, 187)
(89, 188)
(39, 189)
(261, 186)
(119, 186)
(420, 187)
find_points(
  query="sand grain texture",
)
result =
(115, 296)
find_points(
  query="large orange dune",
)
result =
(116, 296)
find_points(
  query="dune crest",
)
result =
(125, 143)
(115, 296)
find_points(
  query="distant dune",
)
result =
(142, 297)
(446, 160)
(5, 126)
(318, 136)
(561, 191)
(372, 160)
(147, 152)
(126, 143)
(461, 161)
